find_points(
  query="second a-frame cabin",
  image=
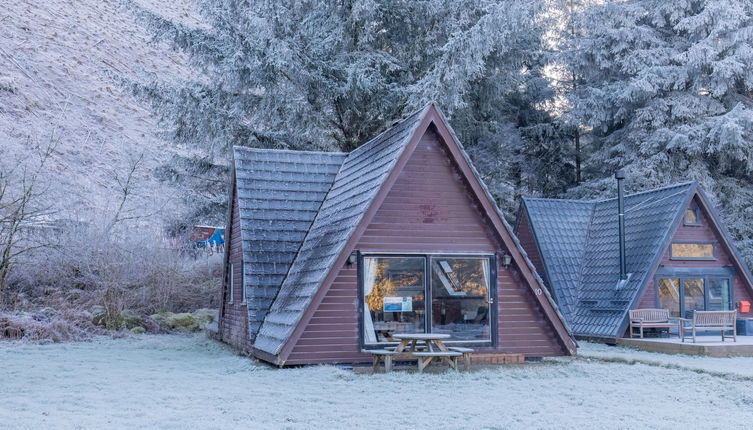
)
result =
(677, 255)
(329, 253)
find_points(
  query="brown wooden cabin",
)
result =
(329, 254)
(677, 256)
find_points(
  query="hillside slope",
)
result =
(60, 61)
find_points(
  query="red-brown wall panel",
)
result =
(528, 241)
(235, 317)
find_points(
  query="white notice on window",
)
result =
(398, 304)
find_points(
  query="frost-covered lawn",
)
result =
(185, 382)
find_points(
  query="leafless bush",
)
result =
(126, 269)
(20, 207)
(39, 327)
(112, 271)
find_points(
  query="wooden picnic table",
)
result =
(411, 340)
(435, 348)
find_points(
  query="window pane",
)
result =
(394, 291)
(693, 250)
(669, 295)
(460, 298)
(719, 295)
(694, 295)
(691, 217)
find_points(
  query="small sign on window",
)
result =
(398, 304)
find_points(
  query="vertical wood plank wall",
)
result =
(235, 317)
(428, 209)
(703, 233)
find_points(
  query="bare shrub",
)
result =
(111, 271)
(36, 327)
(119, 270)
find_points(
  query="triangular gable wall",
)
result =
(710, 230)
(429, 209)
(503, 232)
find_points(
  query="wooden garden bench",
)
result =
(722, 321)
(424, 358)
(651, 318)
(380, 355)
(466, 355)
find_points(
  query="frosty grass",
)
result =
(180, 382)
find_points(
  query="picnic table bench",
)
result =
(466, 355)
(382, 355)
(710, 321)
(424, 358)
(422, 347)
(651, 318)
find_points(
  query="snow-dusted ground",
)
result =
(190, 382)
(732, 367)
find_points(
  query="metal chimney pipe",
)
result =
(620, 175)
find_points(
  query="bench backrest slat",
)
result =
(714, 318)
(650, 315)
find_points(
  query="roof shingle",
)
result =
(360, 177)
(579, 243)
(279, 194)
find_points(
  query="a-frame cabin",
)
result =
(330, 253)
(678, 256)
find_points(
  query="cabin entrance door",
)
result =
(683, 293)
(694, 296)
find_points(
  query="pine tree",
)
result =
(665, 90)
(328, 75)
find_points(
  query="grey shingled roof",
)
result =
(578, 241)
(360, 177)
(279, 194)
(562, 242)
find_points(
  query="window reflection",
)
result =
(682, 296)
(692, 251)
(394, 291)
(691, 217)
(719, 295)
(669, 295)
(460, 297)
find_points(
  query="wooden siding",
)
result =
(702, 233)
(428, 209)
(234, 316)
(528, 241)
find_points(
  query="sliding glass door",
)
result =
(669, 295)
(460, 298)
(694, 296)
(684, 295)
(394, 296)
(718, 290)
(399, 297)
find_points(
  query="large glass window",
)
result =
(692, 251)
(682, 296)
(394, 292)
(694, 296)
(460, 298)
(669, 295)
(719, 294)
(400, 298)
